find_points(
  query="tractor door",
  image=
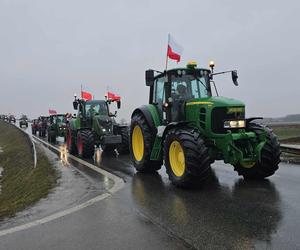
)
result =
(159, 96)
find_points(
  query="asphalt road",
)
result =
(149, 213)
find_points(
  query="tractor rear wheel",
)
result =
(85, 143)
(270, 155)
(186, 157)
(123, 148)
(71, 142)
(141, 144)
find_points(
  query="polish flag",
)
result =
(174, 49)
(52, 112)
(113, 97)
(86, 95)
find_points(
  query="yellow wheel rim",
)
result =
(176, 158)
(137, 143)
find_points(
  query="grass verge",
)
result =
(21, 184)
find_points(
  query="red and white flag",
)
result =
(113, 97)
(174, 49)
(52, 112)
(86, 95)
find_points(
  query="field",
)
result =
(287, 133)
(21, 184)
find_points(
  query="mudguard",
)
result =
(152, 122)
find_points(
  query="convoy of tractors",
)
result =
(184, 127)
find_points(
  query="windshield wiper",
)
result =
(204, 85)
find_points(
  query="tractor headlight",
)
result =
(104, 130)
(235, 124)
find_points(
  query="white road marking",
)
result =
(118, 184)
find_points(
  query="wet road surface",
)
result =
(149, 213)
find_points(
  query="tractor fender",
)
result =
(144, 111)
(171, 126)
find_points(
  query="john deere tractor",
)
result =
(56, 127)
(188, 128)
(93, 126)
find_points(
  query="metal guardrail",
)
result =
(290, 149)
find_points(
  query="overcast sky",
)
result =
(49, 48)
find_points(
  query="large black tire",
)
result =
(192, 157)
(51, 136)
(85, 143)
(144, 164)
(123, 148)
(71, 142)
(270, 155)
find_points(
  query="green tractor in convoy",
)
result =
(188, 128)
(93, 126)
(57, 127)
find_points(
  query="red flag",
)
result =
(86, 95)
(174, 49)
(52, 112)
(113, 97)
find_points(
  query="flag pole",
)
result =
(167, 52)
(81, 90)
(167, 62)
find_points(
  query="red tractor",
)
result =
(34, 126)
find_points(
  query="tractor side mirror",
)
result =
(118, 104)
(149, 74)
(234, 76)
(75, 105)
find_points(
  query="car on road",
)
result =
(12, 119)
(23, 121)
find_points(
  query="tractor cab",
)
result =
(171, 90)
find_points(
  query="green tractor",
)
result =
(93, 126)
(57, 127)
(188, 128)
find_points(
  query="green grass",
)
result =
(21, 184)
(286, 131)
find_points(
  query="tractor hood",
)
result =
(103, 124)
(216, 101)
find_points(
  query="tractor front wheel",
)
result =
(71, 142)
(85, 143)
(141, 144)
(123, 148)
(270, 155)
(51, 136)
(186, 157)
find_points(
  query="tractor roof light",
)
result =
(191, 65)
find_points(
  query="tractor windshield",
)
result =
(189, 87)
(96, 109)
(60, 119)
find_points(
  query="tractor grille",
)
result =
(202, 117)
(219, 115)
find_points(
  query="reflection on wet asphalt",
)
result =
(225, 212)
